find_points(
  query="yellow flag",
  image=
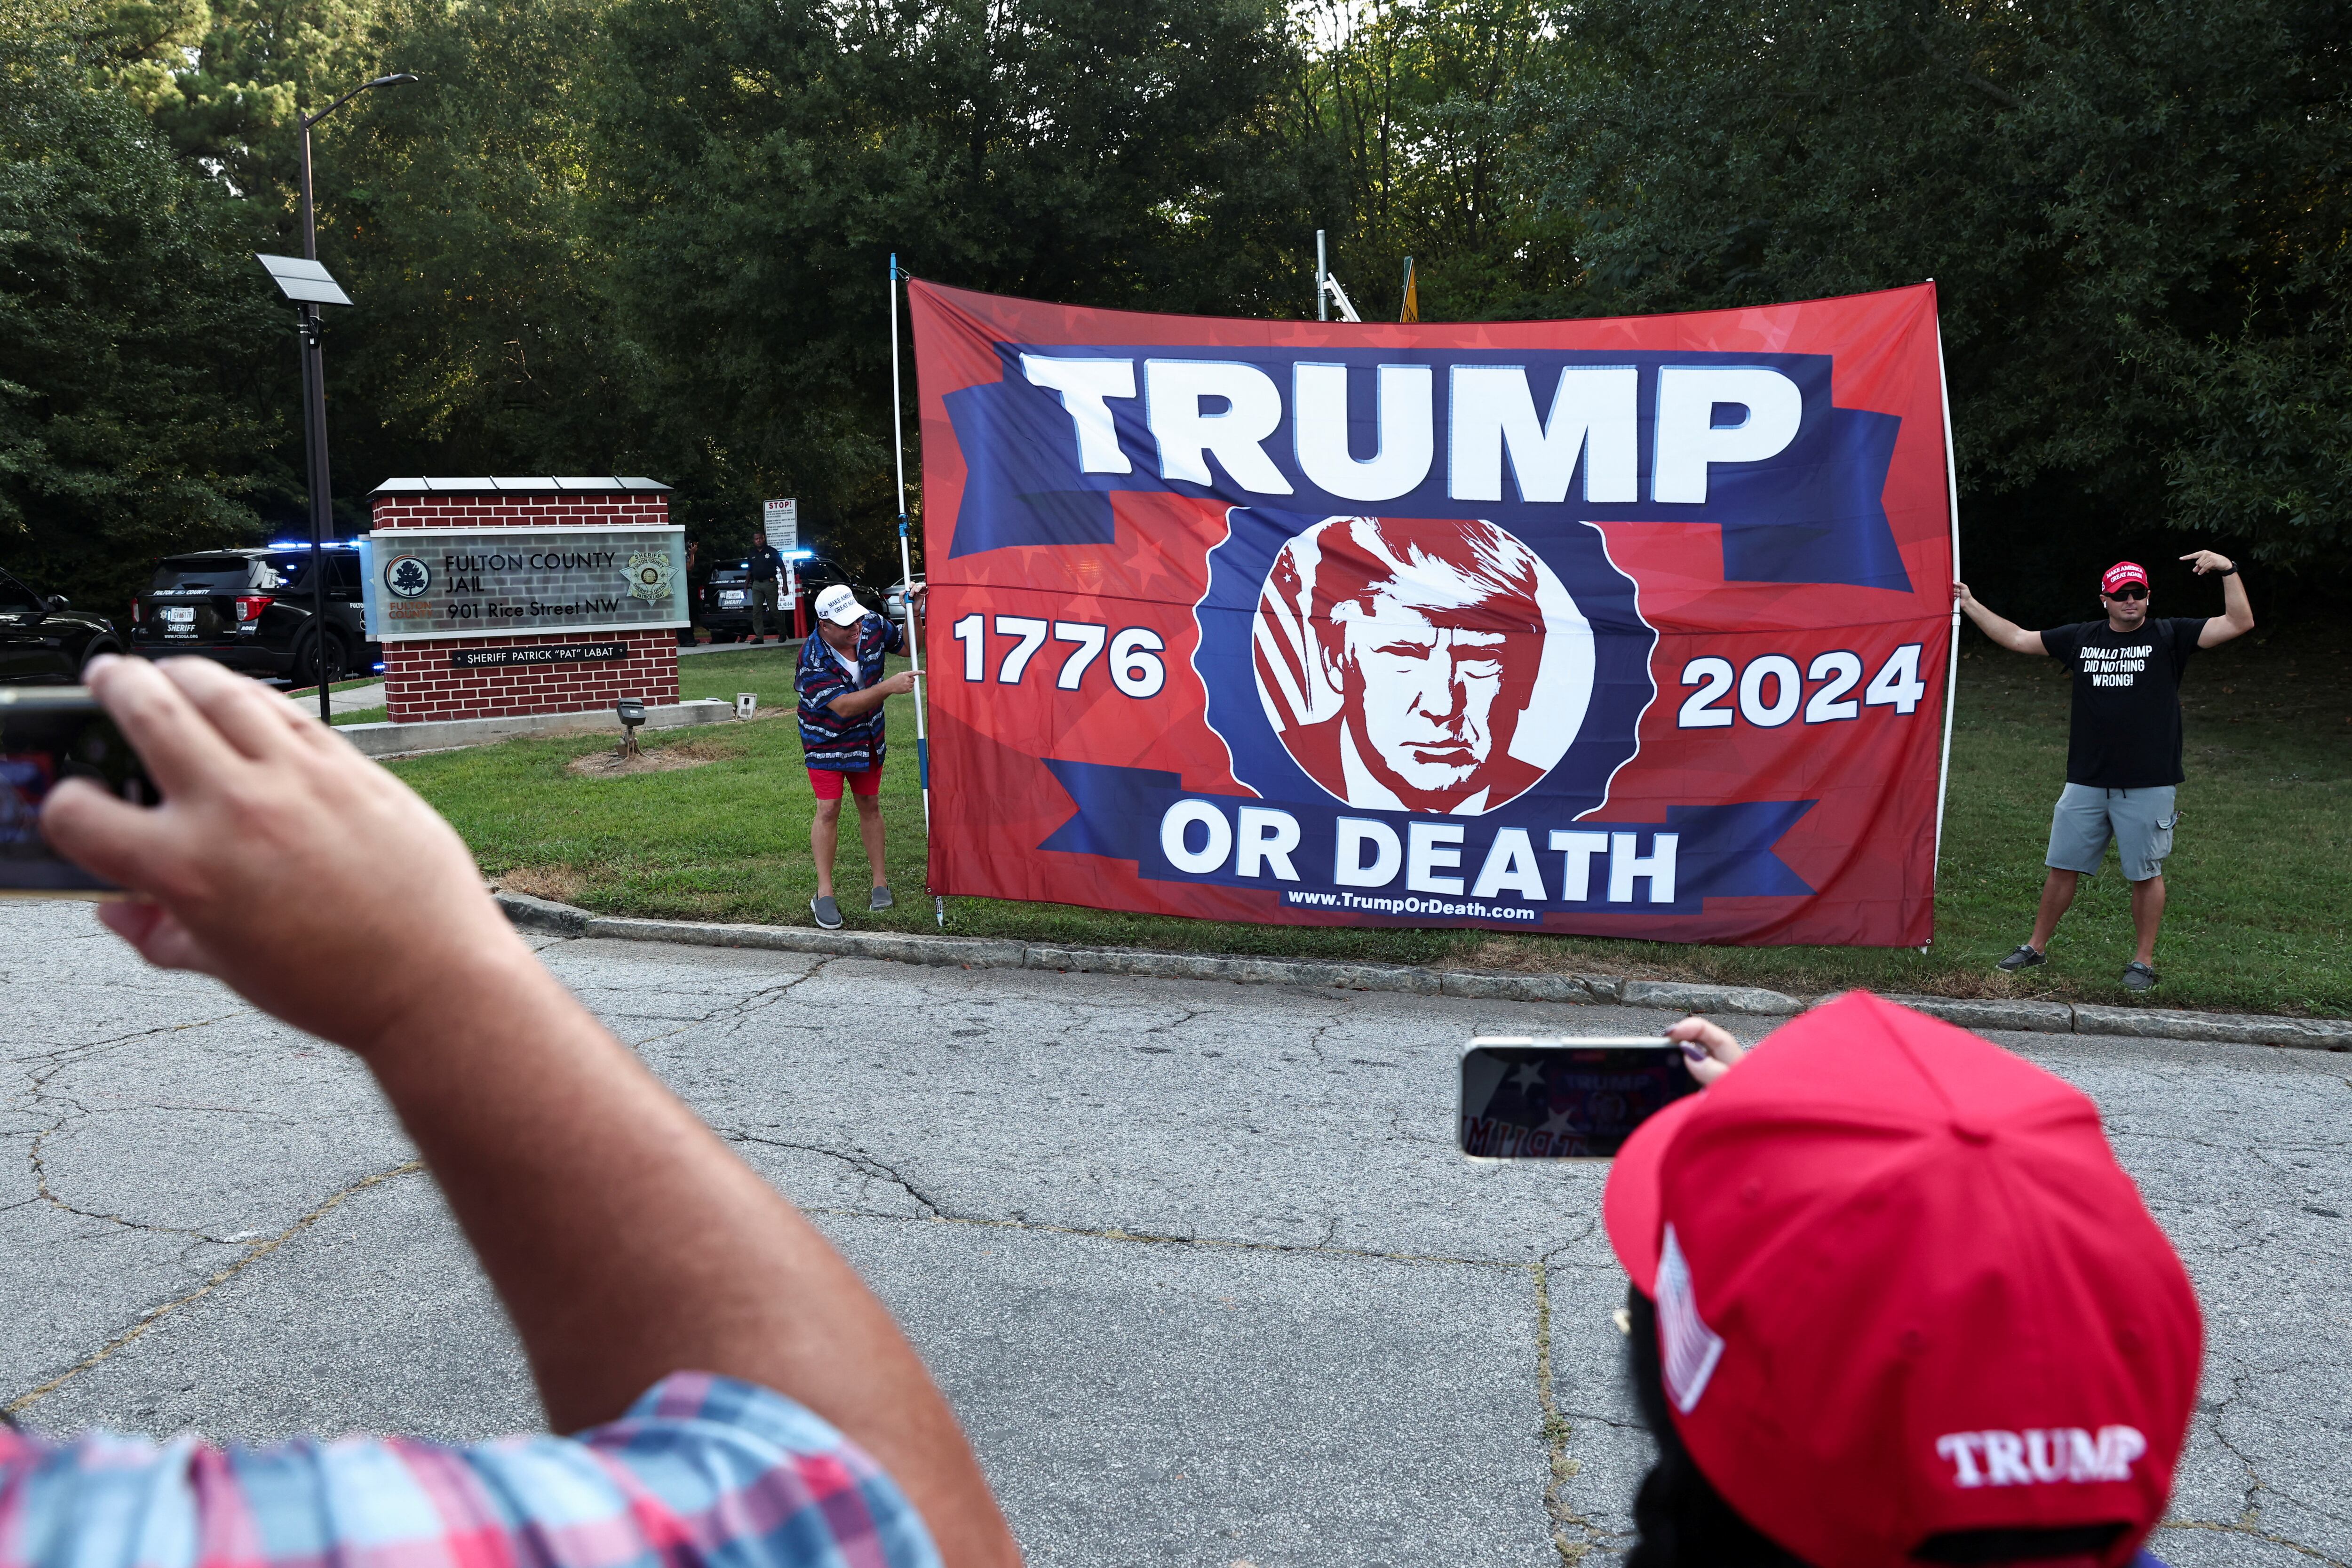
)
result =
(1412, 311)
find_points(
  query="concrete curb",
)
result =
(782, 645)
(1973, 1013)
(448, 734)
(1494, 985)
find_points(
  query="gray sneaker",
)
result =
(2138, 976)
(881, 900)
(2025, 957)
(827, 913)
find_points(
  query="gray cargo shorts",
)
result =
(2140, 821)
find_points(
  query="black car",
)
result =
(43, 641)
(250, 609)
(726, 607)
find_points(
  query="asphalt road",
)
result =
(1194, 1261)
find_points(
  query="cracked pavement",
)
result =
(1196, 1261)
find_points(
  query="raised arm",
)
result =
(2237, 617)
(626, 1240)
(2006, 632)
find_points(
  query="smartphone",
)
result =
(1566, 1099)
(48, 734)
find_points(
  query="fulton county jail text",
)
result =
(1259, 841)
(462, 573)
(529, 560)
(1491, 412)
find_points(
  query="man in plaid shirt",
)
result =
(842, 690)
(724, 1388)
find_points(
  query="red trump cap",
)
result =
(1904, 1290)
(2121, 572)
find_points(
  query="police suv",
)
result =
(251, 610)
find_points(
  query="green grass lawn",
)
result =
(2261, 914)
(309, 694)
(313, 692)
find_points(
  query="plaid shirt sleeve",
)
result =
(702, 1471)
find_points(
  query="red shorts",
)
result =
(827, 782)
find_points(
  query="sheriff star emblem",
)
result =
(649, 575)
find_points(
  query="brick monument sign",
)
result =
(497, 596)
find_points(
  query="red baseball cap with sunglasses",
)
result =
(1905, 1292)
(2118, 574)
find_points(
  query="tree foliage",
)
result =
(457, 210)
(757, 162)
(1406, 116)
(649, 235)
(2135, 215)
(131, 340)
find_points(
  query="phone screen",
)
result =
(1564, 1100)
(48, 734)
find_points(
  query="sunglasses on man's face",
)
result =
(2133, 591)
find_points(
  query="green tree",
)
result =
(482, 341)
(648, 236)
(2136, 216)
(132, 336)
(226, 79)
(1402, 117)
(757, 163)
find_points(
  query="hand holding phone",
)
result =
(1710, 1048)
(49, 734)
(281, 861)
(1569, 1099)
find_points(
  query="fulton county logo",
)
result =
(1430, 666)
(649, 575)
(407, 577)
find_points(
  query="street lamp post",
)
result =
(314, 393)
(308, 284)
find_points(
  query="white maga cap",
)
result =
(840, 606)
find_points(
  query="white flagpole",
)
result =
(906, 590)
(1952, 658)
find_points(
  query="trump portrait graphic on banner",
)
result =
(1635, 627)
(1411, 666)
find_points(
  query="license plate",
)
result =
(730, 598)
(179, 614)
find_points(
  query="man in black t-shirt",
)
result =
(2123, 749)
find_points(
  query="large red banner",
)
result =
(1632, 627)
